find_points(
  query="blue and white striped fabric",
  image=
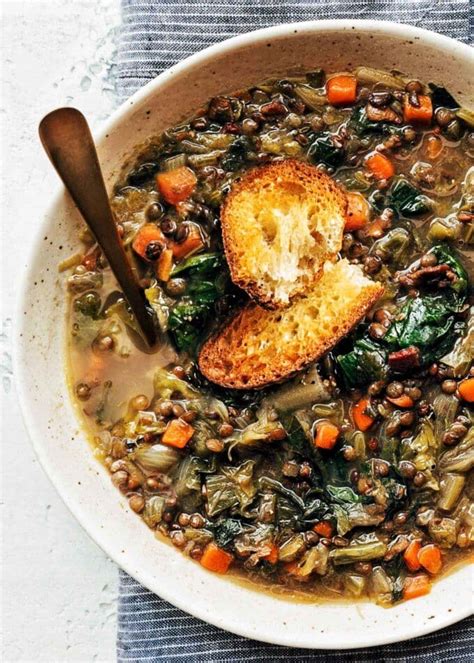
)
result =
(155, 35)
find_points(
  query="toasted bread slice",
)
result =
(258, 346)
(280, 223)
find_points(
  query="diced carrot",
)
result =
(176, 185)
(341, 90)
(415, 586)
(380, 166)
(410, 556)
(323, 528)
(421, 114)
(357, 214)
(178, 433)
(466, 390)
(430, 558)
(326, 435)
(272, 556)
(164, 265)
(215, 559)
(403, 401)
(433, 147)
(192, 243)
(147, 233)
(362, 420)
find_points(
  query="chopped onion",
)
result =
(451, 489)
(156, 457)
(380, 583)
(371, 75)
(354, 585)
(311, 97)
(174, 162)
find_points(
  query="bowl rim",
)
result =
(142, 576)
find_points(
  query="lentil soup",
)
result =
(353, 478)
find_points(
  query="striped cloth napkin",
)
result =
(155, 35)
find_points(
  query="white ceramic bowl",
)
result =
(40, 339)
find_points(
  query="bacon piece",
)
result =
(404, 360)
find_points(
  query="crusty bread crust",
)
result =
(258, 347)
(280, 223)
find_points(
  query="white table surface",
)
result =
(59, 590)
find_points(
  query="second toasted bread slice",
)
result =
(280, 223)
(258, 346)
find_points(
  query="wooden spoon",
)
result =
(68, 142)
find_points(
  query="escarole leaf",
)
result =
(460, 356)
(232, 487)
(237, 154)
(225, 530)
(366, 362)
(166, 383)
(428, 323)
(207, 281)
(200, 264)
(361, 124)
(188, 480)
(447, 256)
(342, 495)
(324, 150)
(422, 450)
(406, 200)
(160, 305)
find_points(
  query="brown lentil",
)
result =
(419, 479)
(178, 410)
(376, 330)
(400, 519)
(311, 538)
(136, 502)
(394, 389)
(449, 386)
(428, 260)
(340, 541)
(364, 568)
(83, 391)
(381, 467)
(305, 470)
(414, 392)
(196, 521)
(140, 402)
(407, 418)
(349, 453)
(407, 469)
(104, 344)
(215, 445)
(277, 434)
(196, 553)
(189, 416)
(225, 430)
(178, 539)
(120, 479)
